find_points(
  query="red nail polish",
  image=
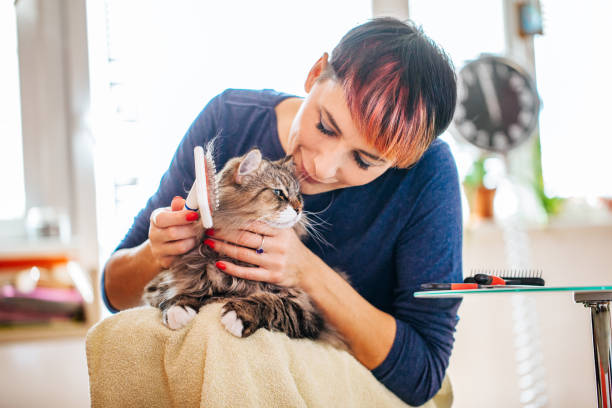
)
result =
(221, 265)
(210, 243)
(210, 232)
(192, 216)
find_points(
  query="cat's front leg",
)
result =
(241, 317)
(177, 311)
(290, 312)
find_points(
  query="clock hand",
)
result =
(488, 90)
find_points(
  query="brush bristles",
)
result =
(508, 273)
(213, 185)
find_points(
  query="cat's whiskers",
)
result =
(317, 220)
(311, 230)
(323, 210)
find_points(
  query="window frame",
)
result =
(55, 102)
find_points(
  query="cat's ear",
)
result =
(249, 164)
(287, 162)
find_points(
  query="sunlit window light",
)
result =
(573, 75)
(12, 205)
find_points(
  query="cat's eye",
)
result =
(280, 194)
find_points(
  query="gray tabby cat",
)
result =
(249, 188)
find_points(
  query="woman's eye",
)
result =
(362, 164)
(280, 194)
(324, 130)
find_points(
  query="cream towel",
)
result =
(135, 361)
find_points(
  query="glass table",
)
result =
(597, 298)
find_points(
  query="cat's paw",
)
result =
(240, 318)
(232, 323)
(178, 317)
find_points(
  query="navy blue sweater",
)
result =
(388, 236)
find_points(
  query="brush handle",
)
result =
(191, 202)
(449, 286)
(524, 281)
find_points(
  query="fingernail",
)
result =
(210, 232)
(210, 243)
(221, 265)
(192, 216)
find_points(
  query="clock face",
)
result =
(497, 104)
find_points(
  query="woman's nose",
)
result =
(326, 165)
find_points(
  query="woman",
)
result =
(364, 143)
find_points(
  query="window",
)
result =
(573, 74)
(459, 28)
(459, 31)
(12, 205)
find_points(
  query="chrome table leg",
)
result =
(599, 303)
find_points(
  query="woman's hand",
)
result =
(280, 263)
(173, 232)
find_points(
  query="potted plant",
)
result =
(480, 198)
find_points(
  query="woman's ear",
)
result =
(315, 72)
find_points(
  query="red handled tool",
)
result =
(483, 280)
(450, 286)
(530, 278)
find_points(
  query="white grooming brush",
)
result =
(203, 194)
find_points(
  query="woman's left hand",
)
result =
(280, 262)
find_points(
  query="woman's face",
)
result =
(328, 151)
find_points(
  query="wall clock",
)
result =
(497, 104)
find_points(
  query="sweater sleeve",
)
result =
(428, 250)
(176, 181)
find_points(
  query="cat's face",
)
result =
(251, 188)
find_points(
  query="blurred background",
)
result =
(96, 95)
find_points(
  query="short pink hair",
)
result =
(400, 87)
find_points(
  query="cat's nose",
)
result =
(297, 206)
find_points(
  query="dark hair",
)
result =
(400, 86)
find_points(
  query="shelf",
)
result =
(578, 217)
(43, 331)
(22, 252)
